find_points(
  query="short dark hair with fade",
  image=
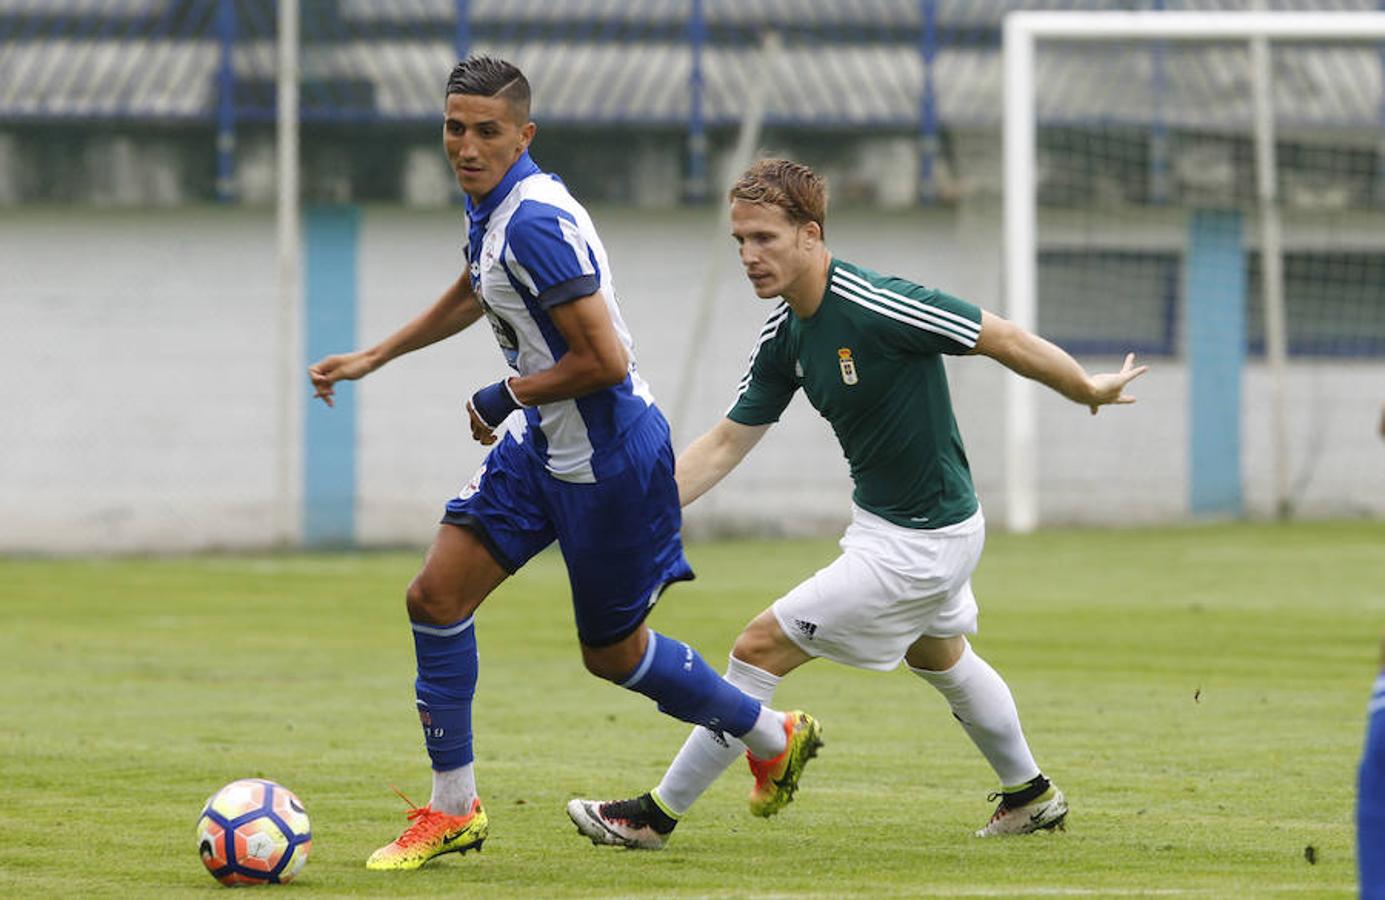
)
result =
(486, 76)
(793, 187)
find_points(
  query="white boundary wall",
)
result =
(139, 385)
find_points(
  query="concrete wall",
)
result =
(139, 384)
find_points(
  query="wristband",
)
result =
(494, 403)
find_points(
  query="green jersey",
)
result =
(869, 361)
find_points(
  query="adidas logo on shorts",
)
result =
(805, 627)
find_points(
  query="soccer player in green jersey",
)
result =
(867, 350)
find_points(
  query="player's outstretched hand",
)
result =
(482, 432)
(1110, 387)
(339, 367)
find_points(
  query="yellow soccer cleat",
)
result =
(432, 833)
(777, 779)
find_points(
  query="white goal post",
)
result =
(288, 239)
(1022, 30)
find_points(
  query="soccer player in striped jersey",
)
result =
(1370, 795)
(580, 454)
(866, 349)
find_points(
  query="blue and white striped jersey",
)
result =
(1370, 799)
(531, 247)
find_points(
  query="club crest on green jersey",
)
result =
(848, 365)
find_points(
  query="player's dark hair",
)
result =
(486, 76)
(793, 187)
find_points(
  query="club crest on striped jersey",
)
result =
(848, 365)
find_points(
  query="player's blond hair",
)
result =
(793, 187)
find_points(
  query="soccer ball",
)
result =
(253, 831)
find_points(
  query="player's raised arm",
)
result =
(450, 313)
(1024, 352)
(707, 459)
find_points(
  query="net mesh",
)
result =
(1150, 240)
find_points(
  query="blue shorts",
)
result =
(1370, 799)
(619, 537)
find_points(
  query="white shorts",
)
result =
(891, 586)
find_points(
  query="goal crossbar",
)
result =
(1192, 26)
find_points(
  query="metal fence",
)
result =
(905, 66)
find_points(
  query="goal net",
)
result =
(1206, 190)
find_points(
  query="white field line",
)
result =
(921, 891)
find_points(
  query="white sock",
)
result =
(982, 702)
(454, 789)
(767, 739)
(706, 754)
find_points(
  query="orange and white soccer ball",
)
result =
(254, 831)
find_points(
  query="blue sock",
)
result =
(1370, 800)
(447, 665)
(673, 675)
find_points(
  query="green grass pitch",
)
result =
(1198, 692)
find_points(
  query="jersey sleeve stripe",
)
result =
(876, 289)
(516, 270)
(967, 324)
(770, 329)
(912, 305)
(909, 315)
(573, 235)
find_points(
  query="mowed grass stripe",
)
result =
(1198, 692)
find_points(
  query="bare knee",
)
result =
(764, 645)
(935, 654)
(431, 606)
(615, 662)
(458, 573)
(603, 667)
(754, 644)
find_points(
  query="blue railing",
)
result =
(663, 63)
(904, 66)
